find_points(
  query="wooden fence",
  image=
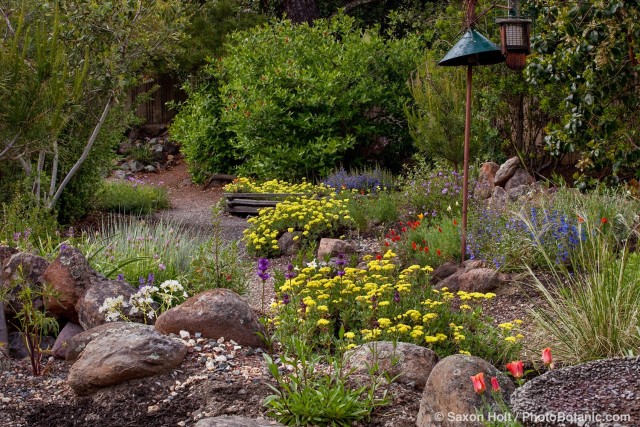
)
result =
(154, 110)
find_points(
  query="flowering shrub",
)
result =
(435, 193)
(367, 181)
(149, 301)
(508, 241)
(311, 218)
(419, 242)
(247, 185)
(339, 306)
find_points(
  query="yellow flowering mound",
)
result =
(247, 185)
(334, 307)
(309, 218)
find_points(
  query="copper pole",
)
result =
(465, 179)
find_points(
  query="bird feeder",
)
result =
(515, 41)
(471, 50)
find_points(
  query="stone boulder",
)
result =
(329, 248)
(443, 271)
(484, 185)
(564, 397)
(451, 280)
(481, 280)
(22, 266)
(506, 171)
(225, 421)
(215, 313)
(5, 253)
(122, 355)
(448, 395)
(499, 199)
(60, 347)
(518, 192)
(88, 305)
(70, 275)
(411, 363)
(79, 342)
(520, 177)
(287, 244)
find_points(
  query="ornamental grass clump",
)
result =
(308, 218)
(592, 308)
(337, 308)
(133, 248)
(275, 186)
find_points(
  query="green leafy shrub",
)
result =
(294, 100)
(311, 218)
(382, 208)
(383, 302)
(133, 197)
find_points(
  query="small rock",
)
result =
(152, 409)
(185, 334)
(221, 358)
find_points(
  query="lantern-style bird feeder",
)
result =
(515, 36)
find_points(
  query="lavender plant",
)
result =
(362, 181)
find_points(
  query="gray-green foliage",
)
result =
(295, 100)
(437, 114)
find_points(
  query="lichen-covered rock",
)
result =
(484, 185)
(481, 280)
(79, 342)
(329, 248)
(89, 303)
(506, 171)
(225, 421)
(122, 355)
(410, 363)
(520, 177)
(448, 396)
(215, 313)
(70, 275)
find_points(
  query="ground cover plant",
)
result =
(362, 181)
(248, 185)
(307, 218)
(337, 307)
(131, 197)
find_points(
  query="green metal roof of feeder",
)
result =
(472, 49)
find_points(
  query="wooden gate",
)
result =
(154, 110)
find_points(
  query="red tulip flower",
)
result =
(604, 220)
(478, 383)
(516, 369)
(495, 385)
(546, 357)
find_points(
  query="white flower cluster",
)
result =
(148, 300)
(113, 307)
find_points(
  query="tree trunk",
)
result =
(301, 10)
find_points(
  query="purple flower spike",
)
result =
(120, 277)
(16, 236)
(151, 278)
(264, 275)
(63, 247)
(285, 299)
(263, 264)
(142, 281)
(396, 296)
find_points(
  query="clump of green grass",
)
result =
(593, 301)
(132, 197)
(136, 248)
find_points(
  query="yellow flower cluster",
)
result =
(308, 216)
(247, 185)
(510, 329)
(380, 301)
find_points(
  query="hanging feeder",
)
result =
(471, 50)
(515, 39)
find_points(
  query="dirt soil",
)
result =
(191, 392)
